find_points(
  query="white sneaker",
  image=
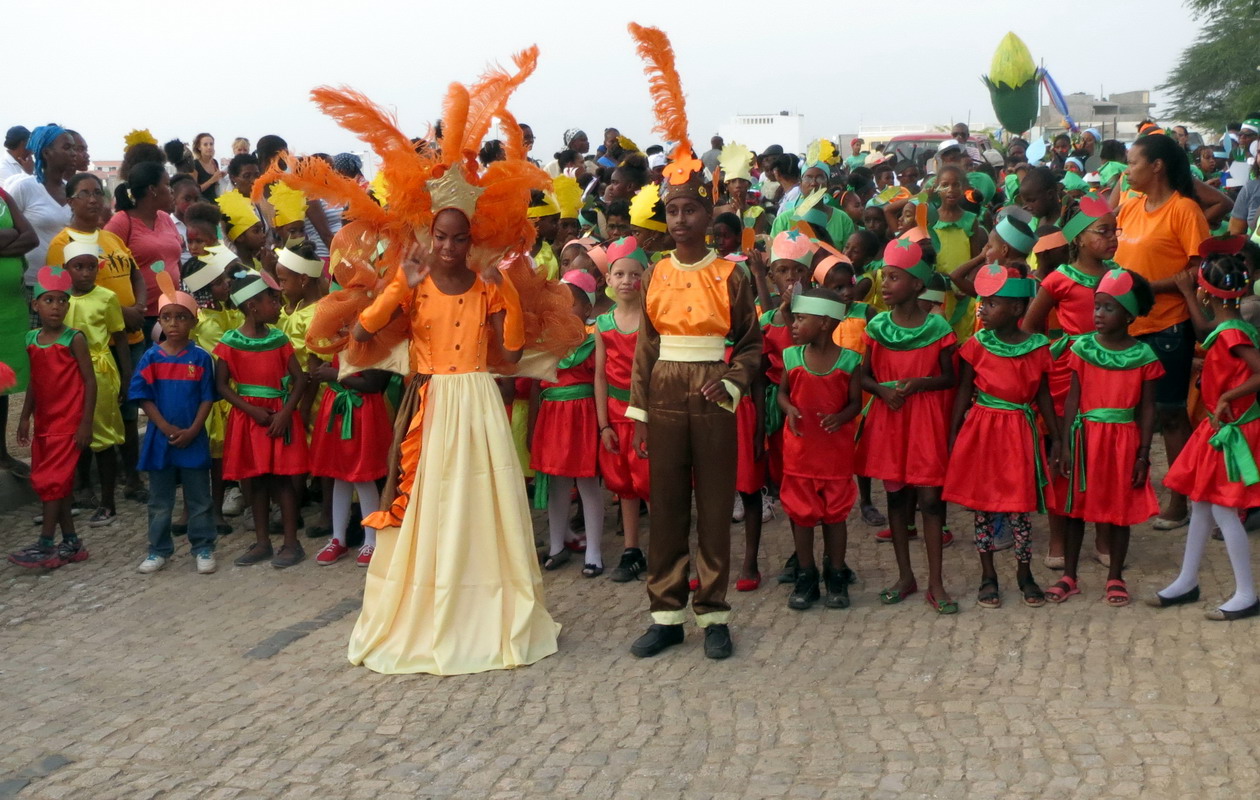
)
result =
(767, 506)
(206, 563)
(737, 514)
(233, 502)
(151, 565)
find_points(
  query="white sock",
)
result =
(369, 502)
(558, 511)
(341, 509)
(593, 512)
(1196, 540)
(1239, 557)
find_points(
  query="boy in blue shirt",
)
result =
(174, 384)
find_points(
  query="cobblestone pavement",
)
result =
(236, 685)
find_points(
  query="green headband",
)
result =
(1083, 219)
(1015, 237)
(933, 296)
(818, 306)
(1022, 288)
(822, 165)
(814, 216)
(252, 289)
(922, 270)
(1119, 284)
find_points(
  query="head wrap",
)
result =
(818, 306)
(627, 247)
(1252, 125)
(51, 279)
(295, 263)
(907, 255)
(1014, 237)
(792, 245)
(571, 134)
(41, 138)
(1092, 208)
(1097, 134)
(582, 280)
(1119, 284)
(995, 280)
(347, 163)
(1073, 160)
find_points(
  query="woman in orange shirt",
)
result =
(1159, 236)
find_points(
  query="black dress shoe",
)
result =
(1159, 601)
(837, 582)
(805, 591)
(657, 638)
(1221, 615)
(717, 642)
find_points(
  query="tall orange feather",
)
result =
(654, 48)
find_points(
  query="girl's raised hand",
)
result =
(414, 263)
(608, 438)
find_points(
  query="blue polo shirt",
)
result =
(178, 385)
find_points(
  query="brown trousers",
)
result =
(690, 440)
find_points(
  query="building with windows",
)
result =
(1116, 116)
(759, 131)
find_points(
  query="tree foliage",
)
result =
(1216, 80)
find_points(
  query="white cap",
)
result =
(947, 145)
(657, 160)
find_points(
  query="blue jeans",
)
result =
(196, 483)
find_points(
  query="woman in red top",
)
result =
(1217, 468)
(144, 223)
(1004, 370)
(1109, 417)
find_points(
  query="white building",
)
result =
(759, 131)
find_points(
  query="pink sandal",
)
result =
(1062, 589)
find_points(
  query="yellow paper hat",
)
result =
(138, 136)
(820, 151)
(289, 203)
(736, 162)
(380, 188)
(546, 206)
(239, 211)
(568, 196)
(646, 209)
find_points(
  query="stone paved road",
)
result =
(118, 685)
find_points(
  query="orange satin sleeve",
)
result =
(395, 294)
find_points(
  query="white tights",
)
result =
(1201, 518)
(369, 499)
(592, 510)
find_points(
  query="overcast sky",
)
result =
(106, 67)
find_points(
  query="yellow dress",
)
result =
(99, 315)
(212, 323)
(954, 251)
(455, 588)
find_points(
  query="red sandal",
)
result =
(1116, 593)
(1062, 589)
(748, 584)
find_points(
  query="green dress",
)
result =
(15, 317)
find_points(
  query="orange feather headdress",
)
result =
(684, 173)
(423, 182)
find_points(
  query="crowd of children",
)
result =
(964, 343)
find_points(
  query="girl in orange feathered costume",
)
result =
(454, 585)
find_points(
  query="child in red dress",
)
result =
(1003, 369)
(909, 367)
(565, 444)
(350, 445)
(1109, 417)
(259, 375)
(625, 474)
(1066, 301)
(820, 401)
(61, 396)
(1217, 468)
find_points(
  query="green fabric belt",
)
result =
(1060, 345)
(268, 393)
(617, 393)
(867, 409)
(1240, 462)
(989, 401)
(343, 405)
(1076, 443)
(774, 414)
(577, 391)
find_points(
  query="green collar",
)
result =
(579, 355)
(767, 318)
(1091, 352)
(1234, 325)
(857, 310)
(1083, 278)
(989, 341)
(889, 334)
(794, 357)
(272, 340)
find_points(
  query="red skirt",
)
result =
(750, 472)
(364, 455)
(991, 465)
(908, 445)
(53, 462)
(566, 438)
(249, 452)
(624, 473)
(1109, 496)
(1199, 472)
